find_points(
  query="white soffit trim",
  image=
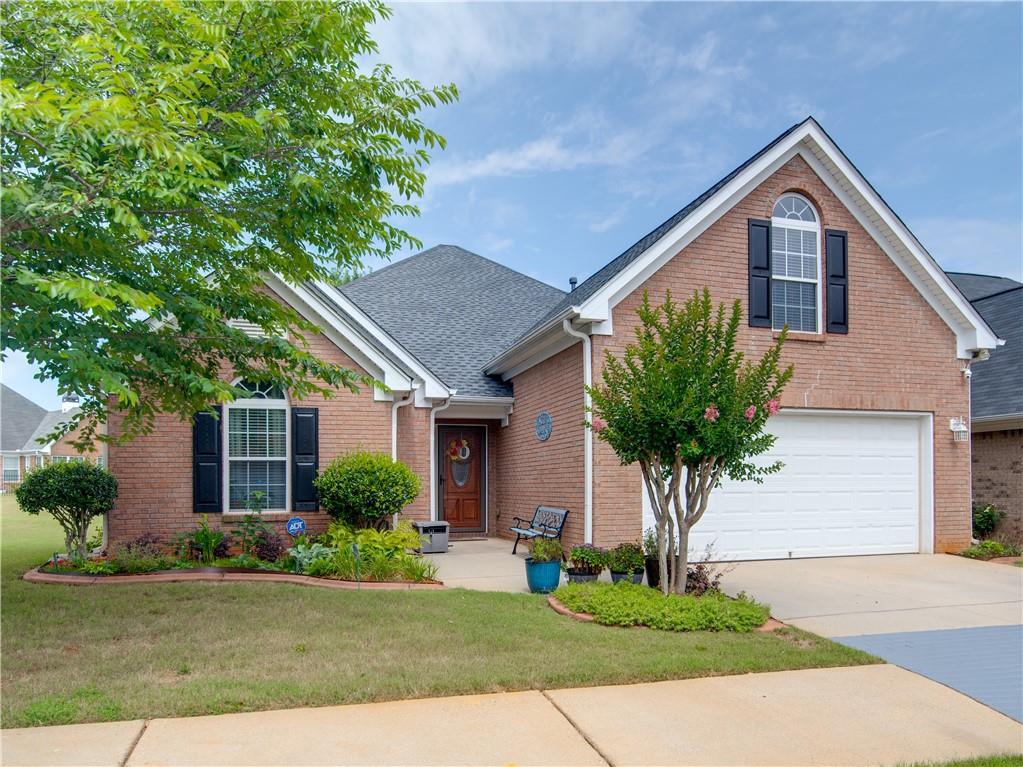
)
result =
(434, 388)
(344, 336)
(827, 160)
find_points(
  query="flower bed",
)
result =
(342, 555)
(629, 604)
(217, 574)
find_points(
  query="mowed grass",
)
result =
(80, 654)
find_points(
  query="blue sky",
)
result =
(581, 126)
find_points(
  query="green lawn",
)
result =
(79, 654)
(1002, 760)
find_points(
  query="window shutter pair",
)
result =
(836, 273)
(208, 460)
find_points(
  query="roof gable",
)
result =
(21, 416)
(593, 301)
(452, 309)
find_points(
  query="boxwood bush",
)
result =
(630, 604)
(365, 489)
(74, 493)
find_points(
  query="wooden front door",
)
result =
(463, 476)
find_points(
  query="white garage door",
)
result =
(850, 485)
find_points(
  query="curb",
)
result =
(216, 576)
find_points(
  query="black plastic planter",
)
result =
(636, 577)
(653, 572)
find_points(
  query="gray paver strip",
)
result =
(508, 728)
(862, 715)
(985, 663)
(103, 744)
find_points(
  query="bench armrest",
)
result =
(520, 522)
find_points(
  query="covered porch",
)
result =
(485, 564)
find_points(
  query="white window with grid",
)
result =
(795, 265)
(257, 449)
(12, 468)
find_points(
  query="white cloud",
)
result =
(976, 245)
(472, 43)
(557, 151)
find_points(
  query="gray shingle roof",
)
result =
(604, 275)
(51, 421)
(453, 310)
(978, 286)
(19, 417)
(997, 384)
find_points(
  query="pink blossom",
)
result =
(599, 424)
(751, 412)
(711, 413)
(773, 407)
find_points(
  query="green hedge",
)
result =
(365, 489)
(630, 604)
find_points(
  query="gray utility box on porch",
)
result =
(433, 536)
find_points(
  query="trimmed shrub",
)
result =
(629, 604)
(74, 492)
(365, 489)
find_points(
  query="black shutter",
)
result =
(305, 457)
(759, 273)
(207, 463)
(837, 250)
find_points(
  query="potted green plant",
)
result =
(626, 562)
(585, 563)
(543, 565)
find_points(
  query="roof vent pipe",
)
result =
(571, 283)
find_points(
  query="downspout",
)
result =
(433, 457)
(587, 432)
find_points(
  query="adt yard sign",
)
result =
(295, 526)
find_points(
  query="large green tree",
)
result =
(160, 158)
(685, 403)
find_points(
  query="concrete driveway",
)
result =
(953, 620)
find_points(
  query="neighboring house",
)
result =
(996, 420)
(486, 367)
(24, 427)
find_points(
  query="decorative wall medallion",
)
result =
(544, 424)
(459, 454)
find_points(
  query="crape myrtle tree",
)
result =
(690, 409)
(159, 159)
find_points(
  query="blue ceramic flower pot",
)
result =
(543, 577)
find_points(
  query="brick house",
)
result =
(486, 367)
(24, 426)
(996, 404)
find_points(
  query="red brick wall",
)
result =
(414, 450)
(998, 477)
(898, 354)
(155, 471)
(531, 472)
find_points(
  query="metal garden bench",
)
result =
(547, 522)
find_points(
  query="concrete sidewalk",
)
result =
(849, 716)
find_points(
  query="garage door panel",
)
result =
(850, 485)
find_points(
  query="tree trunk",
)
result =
(682, 560)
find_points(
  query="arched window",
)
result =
(257, 449)
(795, 265)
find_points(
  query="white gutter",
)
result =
(433, 456)
(394, 419)
(587, 431)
